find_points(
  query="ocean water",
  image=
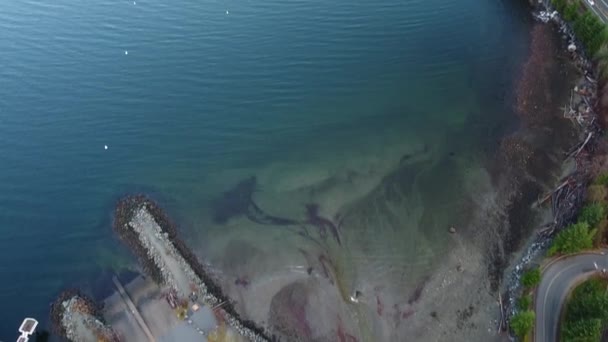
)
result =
(323, 101)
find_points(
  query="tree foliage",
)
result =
(586, 313)
(531, 278)
(589, 300)
(587, 27)
(590, 30)
(588, 330)
(592, 214)
(560, 5)
(524, 302)
(522, 322)
(571, 12)
(573, 239)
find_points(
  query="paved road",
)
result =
(557, 281)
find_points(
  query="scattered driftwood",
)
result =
(580, 147)
(549, 195)
(501, 322)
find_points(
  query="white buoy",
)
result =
(126, 52)
(134, 3)
(227, 12)
(105, 147)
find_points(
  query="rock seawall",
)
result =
(130, 215)
(77, 317)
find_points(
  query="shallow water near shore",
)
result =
(385, 114)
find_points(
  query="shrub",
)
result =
(588, 330)
(522, 322)
(573, 239)
(589, 301)
(560, 5)
(531, 277)
(587, 28)
(592, 214)
(570, 12)
(524, 302)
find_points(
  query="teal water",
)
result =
(294, 92)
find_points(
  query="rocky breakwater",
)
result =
(76, 317)
(153, 238)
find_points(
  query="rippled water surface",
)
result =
(320, 100)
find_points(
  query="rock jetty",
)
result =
(76, 317)
(153, 238)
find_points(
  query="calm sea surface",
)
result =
(191, 96)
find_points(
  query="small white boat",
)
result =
(27, 328)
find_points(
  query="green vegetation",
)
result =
(574, 238)
(588, 29)
(571, 13)
(602, 179)
(560, 5)
(524, 302)
(586, 312)
(582, 331)
(522, 322)
(592, 214)
(531, 277)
